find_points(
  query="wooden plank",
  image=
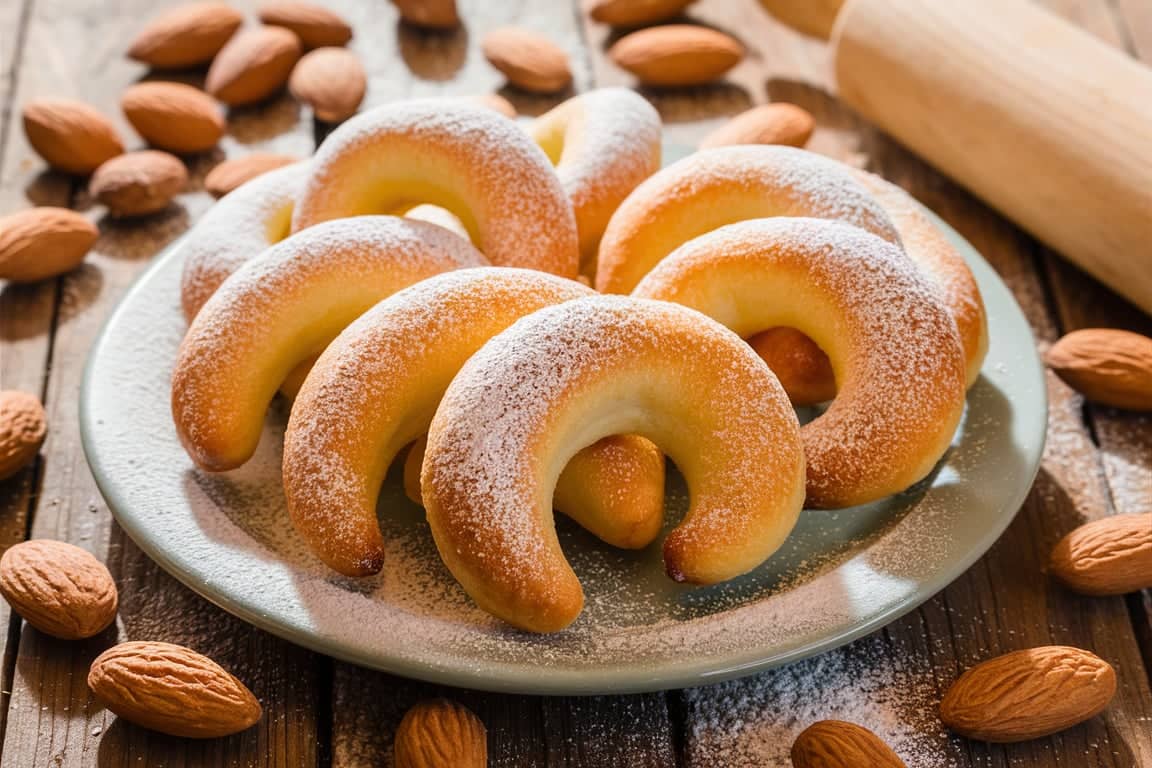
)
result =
(75, 49)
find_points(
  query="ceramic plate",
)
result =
(841, 574)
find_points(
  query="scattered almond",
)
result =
(1112, 556)
(837, 744)
(70, 135)
(778, 123)
(185, 36)
(530, 61)
(676, 54)
(173, 116)
(1028, 694)
(315, 25)
(331, 81)
(636, 13)
(255, 64)
(138, 183)
(58, 588)
(22, 429)
(439, 734)
(433, 14)
(43, 242)
(231, 174)
(1107, 366)
(172, 689)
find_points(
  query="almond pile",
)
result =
(438, 734)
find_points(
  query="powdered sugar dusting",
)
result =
(475, 162)
(894, 346)
(227, 534)
(239, 226)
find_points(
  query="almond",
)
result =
(433, 14)
(138, 183)
(636, 13)
(58, 588)
(315, 25)
(173, 116)
(70, 135)
(22, 429)
(837, 744)
(1028, 694)
(1107, 366)
(331, 81)
(441, 733)
(172, 689)
(185, 36)
(253, 65)
(1112, 556)
(531, 62)
(43, 242)
(231, 174)
(676, 54)
(778, 123)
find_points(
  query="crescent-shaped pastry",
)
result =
(377, 386)
(468, 159)
(892, 343)
(284, 306)
(603, 144)
(803, 368)
(714, 187)
(566, 376)
(242, 224)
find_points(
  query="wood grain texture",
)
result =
(322, 713)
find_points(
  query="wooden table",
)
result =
(320, 712)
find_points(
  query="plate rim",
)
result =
(519, 678)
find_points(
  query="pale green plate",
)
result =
(841, 574)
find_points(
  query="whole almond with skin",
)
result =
(173, 116)
(432, 14)
(636, 13)
(439, 734)
(43, 242)
(1107, 366)
(315, 25)
(530, 61)
(22, 429)
(185, 36)
(331, 81)
(173, 690)
(233, 173)
(495, 102)
(70, 135)
(837, 744)
(676, 54)
(1028, 694)
(138, 183)
(778, 123)
(1112, 556)
(58, 588)
(255, 64)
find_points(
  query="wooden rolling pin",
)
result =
(1041, 120)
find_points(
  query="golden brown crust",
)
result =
(892, 343)
(460, 156)
(284, 305)
(567, 375)
(376, 387)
